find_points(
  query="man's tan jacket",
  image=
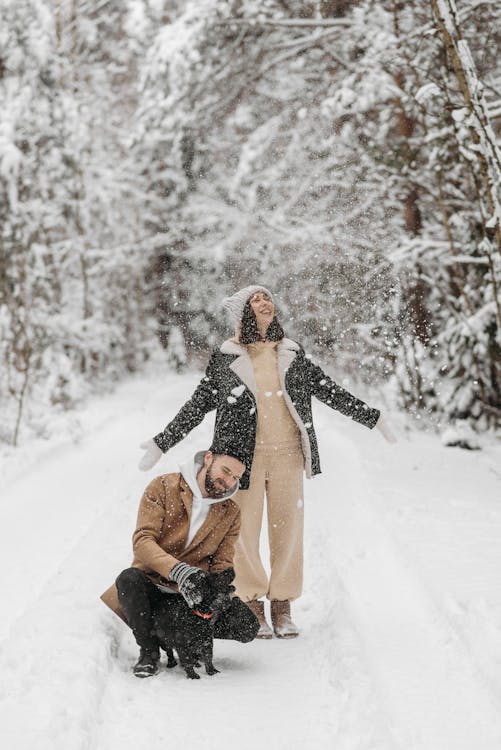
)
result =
(163, 522)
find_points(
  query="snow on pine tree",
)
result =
(451, 341)
(477, 337)
(32, 172)
(443, 327)
(71, 306)
(343, 153)
(259, 173)
(307, 149)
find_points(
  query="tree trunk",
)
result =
(485, 146)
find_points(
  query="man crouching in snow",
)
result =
(187, 525)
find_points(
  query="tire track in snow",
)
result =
(51, 506)
(66, 659)
(455, 532)
(70, 517)
(373, 670)
(433, 692)
(314, 691)
(338, 649)
(57, 658)
(311, 692)
(275, 689)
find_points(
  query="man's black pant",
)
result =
(138, 596)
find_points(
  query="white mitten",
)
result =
(385, 430)
(152, 455)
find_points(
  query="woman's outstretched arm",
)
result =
(332, 394)
(203, 400)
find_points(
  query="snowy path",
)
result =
(401, 617)
(431, 688)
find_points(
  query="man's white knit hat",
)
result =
(236, 303)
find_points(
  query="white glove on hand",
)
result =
(385, 430)
(152, 455)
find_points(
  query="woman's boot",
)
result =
(281, 619)
(257, 607)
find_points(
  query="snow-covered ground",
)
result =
(401, 616)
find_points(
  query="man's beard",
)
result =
(213, 489)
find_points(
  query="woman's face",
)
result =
(263, 308)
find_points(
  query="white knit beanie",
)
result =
(236, 303)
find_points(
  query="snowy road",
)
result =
(401, 617)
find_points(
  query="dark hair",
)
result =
(249, 332)
(221, 448)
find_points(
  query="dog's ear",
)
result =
(225, 577)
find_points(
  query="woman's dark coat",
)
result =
(229, 386)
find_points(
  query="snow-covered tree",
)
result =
(259, 174)
(316, 147)
(156, 155)
(71, 301)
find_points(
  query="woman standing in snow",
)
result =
(261, 384)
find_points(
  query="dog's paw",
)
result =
(212, 670)
(191, 674)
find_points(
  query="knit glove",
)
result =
(191, 581)
(385, 430)
(152, 455)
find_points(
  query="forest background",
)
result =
(157, 155)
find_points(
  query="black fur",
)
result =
(179, 628)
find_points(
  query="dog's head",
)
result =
(218, 594)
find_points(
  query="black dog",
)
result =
(191, 631)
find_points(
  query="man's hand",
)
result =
(385, 430)
(152, 455)
(192, 583)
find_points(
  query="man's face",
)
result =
(222, 474)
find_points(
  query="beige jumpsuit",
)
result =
(277, 471)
